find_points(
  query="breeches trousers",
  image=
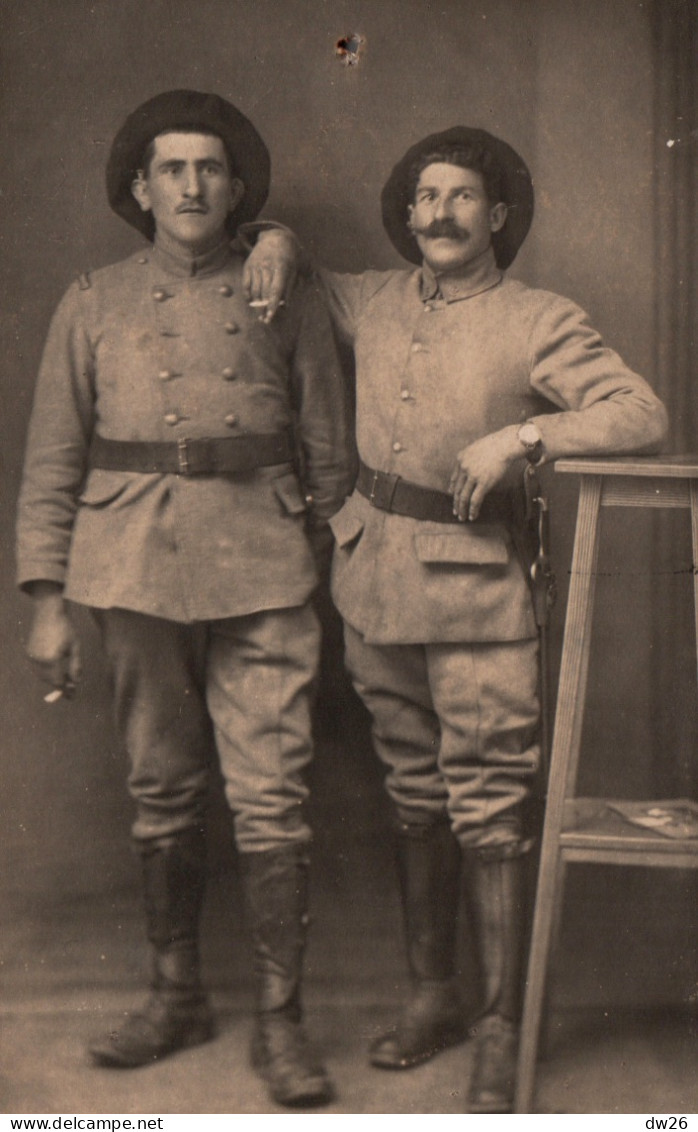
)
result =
(241, 686)
(456, 725)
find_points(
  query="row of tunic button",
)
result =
(405, 395)
(228, 374)
(160, 294)
(173, 419)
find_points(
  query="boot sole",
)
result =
(483, 1109)
(318, 1094)
(112, 1059)
(456, 1038)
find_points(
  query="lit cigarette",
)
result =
(54, 696)
(265, 302)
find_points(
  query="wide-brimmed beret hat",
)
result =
(516, 191)
(187, 110)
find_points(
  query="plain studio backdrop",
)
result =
(597, 97)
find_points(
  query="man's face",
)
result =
(452, 219)
(189, 189)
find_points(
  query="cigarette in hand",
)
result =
(56, 694)
(265, 303)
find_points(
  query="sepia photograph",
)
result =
(349, 560)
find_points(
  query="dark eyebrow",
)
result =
(454, 189)
(177, 162)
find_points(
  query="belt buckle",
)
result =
(183, 468)
(383, 488)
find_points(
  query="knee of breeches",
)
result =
(493, 851)
(418, 823)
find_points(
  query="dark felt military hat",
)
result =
(516, 185)
(187, 110)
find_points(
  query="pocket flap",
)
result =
(102, 486)
(471, 546)
(289, 492)
(346, 524)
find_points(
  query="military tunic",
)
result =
(435, 372)
(160, 348)
(200, 584)
(439, 628)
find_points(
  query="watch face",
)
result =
(529, 435)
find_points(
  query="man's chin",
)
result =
(194, 235)
(446, 255)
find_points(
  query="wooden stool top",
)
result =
(667, 467)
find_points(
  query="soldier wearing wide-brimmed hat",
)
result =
(162, 490)
(462, 375)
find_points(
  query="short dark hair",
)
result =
(474, 157)
(149, 152)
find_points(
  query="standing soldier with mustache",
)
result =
(162, 489)
(462, 375)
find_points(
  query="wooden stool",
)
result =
(586, 829)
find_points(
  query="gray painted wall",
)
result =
(569, 85)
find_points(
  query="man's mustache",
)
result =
(447, 229)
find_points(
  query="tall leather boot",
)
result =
(498, 891)
(176, 1015)
(429, 861)
(276, 897)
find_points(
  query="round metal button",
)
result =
(165, 374)
(417, 347)
(228, 373)
(397, 447)
(159, 295)
(405, 394)
(232, 328)
(225, 289)
(231, 420)
(142, 259)
(171, 419)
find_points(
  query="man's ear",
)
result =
(498, 216)
(237, 192)
(139, 188)
(410, 210)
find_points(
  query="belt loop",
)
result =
(182, 456)
(393, 489)
(374, 484)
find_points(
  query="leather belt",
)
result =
(391, 493)
(199, 457)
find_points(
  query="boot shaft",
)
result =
(429, 866)
(276, 906)
(174, 879)
(497, 894)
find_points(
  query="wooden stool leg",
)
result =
(694, 532)
(546, 1039)
(563, 769)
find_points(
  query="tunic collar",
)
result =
(176, 262)
(480, 275)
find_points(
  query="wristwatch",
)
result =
(529, 436)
